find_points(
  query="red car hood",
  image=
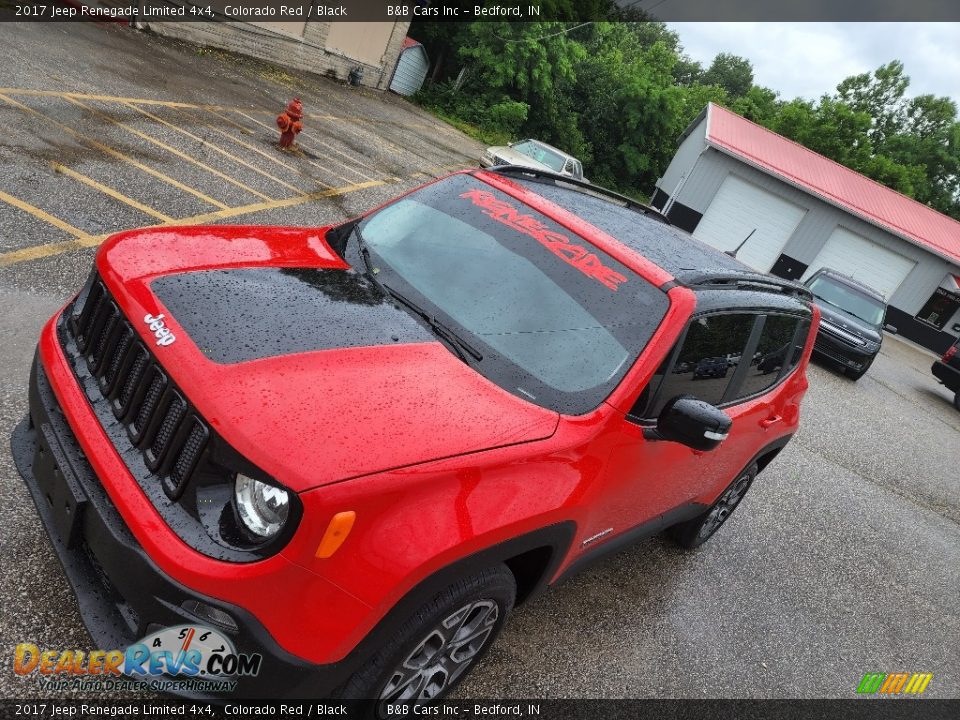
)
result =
(298, 361)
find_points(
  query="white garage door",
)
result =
(740, 207)
(863, 260)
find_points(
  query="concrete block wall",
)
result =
(304, 52)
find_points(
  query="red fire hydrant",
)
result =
(289, 122)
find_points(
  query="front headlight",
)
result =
(263, 508)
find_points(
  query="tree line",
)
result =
(618, 93)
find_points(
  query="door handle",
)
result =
(770, 421)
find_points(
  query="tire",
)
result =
(956, 400)
(694, 533)
(420, 662)
(857, 374)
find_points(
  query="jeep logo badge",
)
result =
(161, 331)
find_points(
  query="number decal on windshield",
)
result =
(577, 256)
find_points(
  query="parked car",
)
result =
(315, 441)
(536, 155)
(851, 323)
(714, 367)
(947, 371)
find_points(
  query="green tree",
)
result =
(880, 95)
(759, 104)
(734, 74)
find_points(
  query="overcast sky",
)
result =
(809, 59)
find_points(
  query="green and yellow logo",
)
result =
(894, 683)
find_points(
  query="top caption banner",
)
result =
(574, 11)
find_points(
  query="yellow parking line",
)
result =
(42, 215)
(273, 205)
(107, 98)
(215, 148)
(349, 166)
(257, 150)
(110, 191)
(355, 119)
(171, 150)
(85, 241)
(377, 138)
(299, 152)
(235, 124)
(176, 104)
(115, 153)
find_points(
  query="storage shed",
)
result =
(411, 68)
(787, 210)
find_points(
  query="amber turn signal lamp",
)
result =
(337, 531)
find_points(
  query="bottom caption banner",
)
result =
(928, 709)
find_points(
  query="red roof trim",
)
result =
(835, 183)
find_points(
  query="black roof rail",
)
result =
(726, 280)
(597, 191)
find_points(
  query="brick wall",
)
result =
(308, 52)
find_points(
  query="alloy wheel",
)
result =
(724, 506)
(441, 657)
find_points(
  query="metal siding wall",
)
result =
(712, 169)
(817, 225)
(685, 158)
(411, 71)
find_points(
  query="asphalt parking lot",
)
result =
(844, 558)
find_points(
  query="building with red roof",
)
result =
(787, 210)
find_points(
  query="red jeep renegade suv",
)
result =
(354, 449)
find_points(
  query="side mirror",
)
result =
(890, 328)
(691, 422)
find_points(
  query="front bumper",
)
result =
(122, 595)
(855, 358)
(947, 375)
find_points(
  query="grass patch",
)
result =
(483, 135)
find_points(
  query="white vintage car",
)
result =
(534, 154)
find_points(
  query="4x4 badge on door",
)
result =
(160, 330)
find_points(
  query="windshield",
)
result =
(541, 153)
(848, 299)
(555, 320)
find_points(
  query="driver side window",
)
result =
(705, 363)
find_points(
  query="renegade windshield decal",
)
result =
(576, 255)
(557, 332)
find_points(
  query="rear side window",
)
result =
(774, 350)
(707, 360)
(726, 358)
(799, 342)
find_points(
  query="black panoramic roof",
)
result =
(692, 262)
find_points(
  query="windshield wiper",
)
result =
(364, 252)
(461, 346)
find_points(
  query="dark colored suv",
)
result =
(947, 371)
(851, 321)
(353, 449)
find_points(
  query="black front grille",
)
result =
(159, 421)
(832, 353)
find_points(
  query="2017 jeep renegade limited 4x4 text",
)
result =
(354, 449)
